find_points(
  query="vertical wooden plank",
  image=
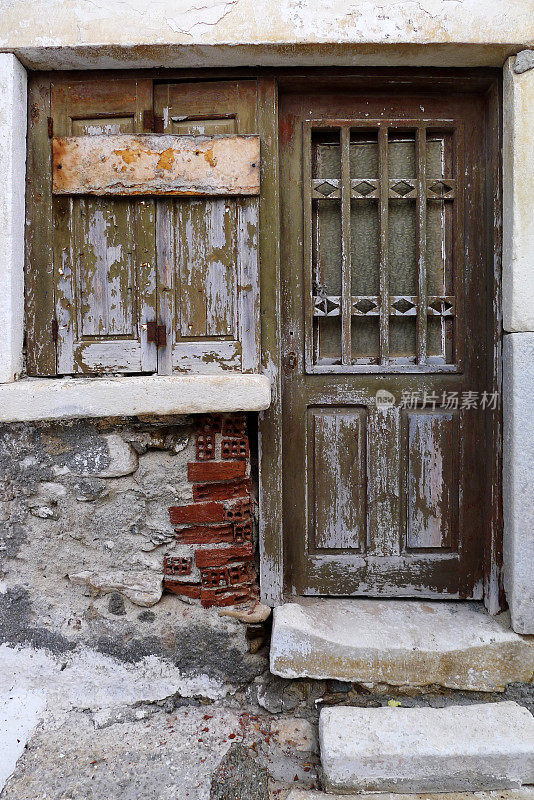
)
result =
(307, 245)
(385, 479)
(432, 480)
(39, 270)
(65, 279)
(346, 305)
(145, 288)
(191, 267)
(270, 422)
(494, 597)
(220, 281)
(384, 242)
(420, 157)
(167, 278)
(338, 482)
(248, 290)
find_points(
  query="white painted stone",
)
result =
(399, 642)
(524, 61)
(141, 588)
(85, 679)
(525, 793)
(71, 398)
(123, 460)
(458, 748)
(518, 494)
(20, 711)
(133, 33)
(518, 199)
(12, 189)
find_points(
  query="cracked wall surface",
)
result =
(92, 33)
(85, 527)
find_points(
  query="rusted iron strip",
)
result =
(145, 164)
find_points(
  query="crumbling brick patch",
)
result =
(220, 515)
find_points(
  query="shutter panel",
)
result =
(104, 247)
(207, 246)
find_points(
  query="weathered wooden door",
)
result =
(384, 344)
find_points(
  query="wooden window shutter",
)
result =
(142, 255)
(104, 247)
(207, 246)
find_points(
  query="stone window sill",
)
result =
(32, 399)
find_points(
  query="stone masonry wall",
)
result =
(86, 538)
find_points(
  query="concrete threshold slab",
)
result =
(458, 748)
(456, 645)
(525, 793)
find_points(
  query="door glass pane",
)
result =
(326, 222)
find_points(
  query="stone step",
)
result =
(454, 749)
(526, 793)
(399, 642)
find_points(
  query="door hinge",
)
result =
(55, 330)
(157, 334)
(50, 127)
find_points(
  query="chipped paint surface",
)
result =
(156, 165)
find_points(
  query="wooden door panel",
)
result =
(384, 287)
(104, 248)
(338, 478)
(207, 247)
(432, 479)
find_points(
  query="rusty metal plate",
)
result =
(148, 164)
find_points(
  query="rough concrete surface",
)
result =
(154, 754)
(403, 643)
(469, 748)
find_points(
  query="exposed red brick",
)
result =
(243, 531)
(205, 446)
(219, 556)
(237, 511)
(234, 425)
(208, 423)
(197, 512)
(234, 448)
(229, 576)
(210, 471)
(221, 491)
(201, 534)
(177, 565)
(223, 597)
(183, 588)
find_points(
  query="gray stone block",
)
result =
(459, 748)
(518, 483)
(399, 642)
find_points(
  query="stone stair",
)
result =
(477, 751)
(457, 748)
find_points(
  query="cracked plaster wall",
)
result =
(91, 33)
(93, 497)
